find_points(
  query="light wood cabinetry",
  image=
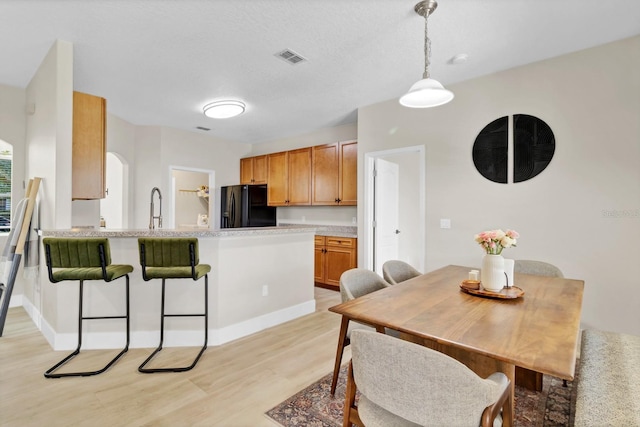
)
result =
(348, 173)
(333, 256)
(334, 176)
(289, 178)
(89, 147)
(253, 170)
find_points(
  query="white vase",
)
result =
(492, 274)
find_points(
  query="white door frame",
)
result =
(369, 209)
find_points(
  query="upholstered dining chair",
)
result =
(395, 271)
(406, 384)
(354, 283)
(537, 268)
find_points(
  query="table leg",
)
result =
(343, 341)
(529, 379)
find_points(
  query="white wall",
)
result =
(582, 213)
(121, 141)
(48, 155)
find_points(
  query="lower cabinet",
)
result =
(334, 256)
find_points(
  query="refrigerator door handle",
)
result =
(232, 210)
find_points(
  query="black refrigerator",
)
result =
(245, 206)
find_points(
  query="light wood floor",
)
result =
(232, 385)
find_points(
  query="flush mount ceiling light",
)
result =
(224, 109)
(426, 92)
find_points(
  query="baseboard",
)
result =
(257, 324)
(181, 338)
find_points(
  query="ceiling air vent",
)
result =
(202, 128)
(290, 56)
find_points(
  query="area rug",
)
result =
(314, 407)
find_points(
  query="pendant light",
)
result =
(427, 92)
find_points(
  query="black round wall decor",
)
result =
(533, 148)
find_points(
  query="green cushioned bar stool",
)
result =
(84, 259)
(173, 258)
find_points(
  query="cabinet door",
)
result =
(337, 261)
(88, 147)
(348, 173)
(260, 170)
(319, 260)
(326, 166)
(246, 170)
(299, 177)
(278, 178)
(340, 256)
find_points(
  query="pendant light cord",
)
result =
(427, 45)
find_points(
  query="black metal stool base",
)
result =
(50, 373)
(142, 368)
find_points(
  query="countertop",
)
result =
(322, 230)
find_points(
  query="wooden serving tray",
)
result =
(511, 292)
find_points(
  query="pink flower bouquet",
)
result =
(494, 241)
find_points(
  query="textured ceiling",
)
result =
(158, 62)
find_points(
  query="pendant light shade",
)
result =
(427, 92)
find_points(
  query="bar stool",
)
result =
(173, 258)
(84, 259)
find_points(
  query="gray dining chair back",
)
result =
(536, 268)
(359, 281)
(354, 283)
(396, 271)
(400, 381)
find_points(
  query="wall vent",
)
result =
(290, 56)
(202, 128)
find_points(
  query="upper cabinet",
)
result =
(253, 170)
(89, 147)
(289, 178)
(335, 174)
(324, 175)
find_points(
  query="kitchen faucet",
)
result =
(151, 216)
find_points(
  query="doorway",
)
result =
(395, 211)
(191, 205)
(114, 207)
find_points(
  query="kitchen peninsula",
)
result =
(260, 277)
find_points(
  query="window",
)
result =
(6, 160)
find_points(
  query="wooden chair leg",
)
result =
(350, 411)
(343, 341)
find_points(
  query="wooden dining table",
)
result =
(537, 332)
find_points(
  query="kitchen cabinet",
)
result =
(88, 147)
(333, 256)
(348, 173)
(289, 178)
(253, 170)
(334, 176)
